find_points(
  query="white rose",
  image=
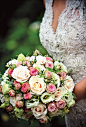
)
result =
(21, 74)
(59, 93)
(39, 111)
(37, 85)
(39, 67)
(69, 84)
(40, 59)
(14, 61)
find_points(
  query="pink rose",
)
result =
(33, 71)
(17, 85)
(49, 64)
(11, 93)
(19, 63)
(19, 104)
(28, 96)
(60, 104)
(25, 87)
(54, 112)
(0, 89)
(10, 71)
(44, 120)
(9, 109)
(48, 75)
(49, 59)
(50, 88)
(51, 107)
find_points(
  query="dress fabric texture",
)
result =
(68, 43)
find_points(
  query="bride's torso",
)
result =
(69, 40)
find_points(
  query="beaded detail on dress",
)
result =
(68, 42)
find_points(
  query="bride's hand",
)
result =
(80, 89)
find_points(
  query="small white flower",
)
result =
(69, 84)
(40, 59)
(32, 58)
(37, 85)
(32, 103)
(21, 74)
(14, 61)
(46, 97)
(56, 78)
(39, 67)
(63, 67)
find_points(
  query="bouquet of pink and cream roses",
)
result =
(36, 87)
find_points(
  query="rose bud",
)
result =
(19, 104)
(36, 52)
(9, 109)
(0, 89)
(19, 63)
(44, 120)
(49, 64)
(60, 104)
(51, 107)
(48, 74)
(28, 112)
(63, 74)
(33, 71)
(49, 59)
(10, 71)
(12, 93)
(24, 62)
(28, 64)
(50, 88)
(17, 85)
(25, 87)
(28, 96)
(27, 58)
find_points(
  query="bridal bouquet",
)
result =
(36, 87)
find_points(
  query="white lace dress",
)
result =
(68, 42)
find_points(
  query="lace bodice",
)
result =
(68, 42)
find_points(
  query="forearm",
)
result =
(80, 89)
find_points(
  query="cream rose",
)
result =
(39, 111)
(37, 85)
(69, 84)
(21, 74)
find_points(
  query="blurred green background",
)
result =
(19, 33)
